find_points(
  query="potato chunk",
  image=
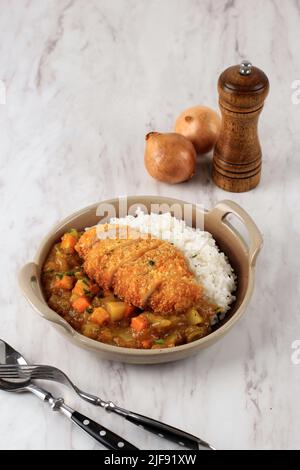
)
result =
(194, 317)
(116, 310)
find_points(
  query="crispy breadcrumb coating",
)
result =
(144, 271)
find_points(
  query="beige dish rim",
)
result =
(30, 283)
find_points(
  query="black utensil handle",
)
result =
(109, 439)
(163, 430)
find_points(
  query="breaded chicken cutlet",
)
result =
(146, 272)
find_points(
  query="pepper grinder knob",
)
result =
(237, 157)
(245, 67)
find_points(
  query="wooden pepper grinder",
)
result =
(237, 155)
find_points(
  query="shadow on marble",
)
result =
(203, 173)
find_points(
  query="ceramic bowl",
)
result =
(242, 257)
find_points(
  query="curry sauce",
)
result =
(102, 316)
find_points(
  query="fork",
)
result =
(107, 438)
(41, 372)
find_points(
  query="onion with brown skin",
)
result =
(170, 157)
(201, 125)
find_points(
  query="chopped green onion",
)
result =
(89, 310)
(73, 232)
(87, 292)
(159, 341)
(85, 282)
(60, 275)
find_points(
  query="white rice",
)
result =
(210, 266)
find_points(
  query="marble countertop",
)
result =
(84, 82)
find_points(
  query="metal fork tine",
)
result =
(14, 376)
(14, 367)
(21, 366)
(27, 376)
(14, 372)
(35, 372)
(26, 371)
(21, 370)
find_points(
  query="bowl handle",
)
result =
(28, 281)
(224, 208)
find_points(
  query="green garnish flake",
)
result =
(60, 275)
(194, 256)
(89, 310)
(151, 262)
(73, 232)
(159, 341)
(85, 282)
(87, 292)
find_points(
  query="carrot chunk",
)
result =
(81, 304)
(147, 343)
(99, 316)
(66, 282)
(84, 287)
(139, 323)
(79, 288)
(68, 243)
